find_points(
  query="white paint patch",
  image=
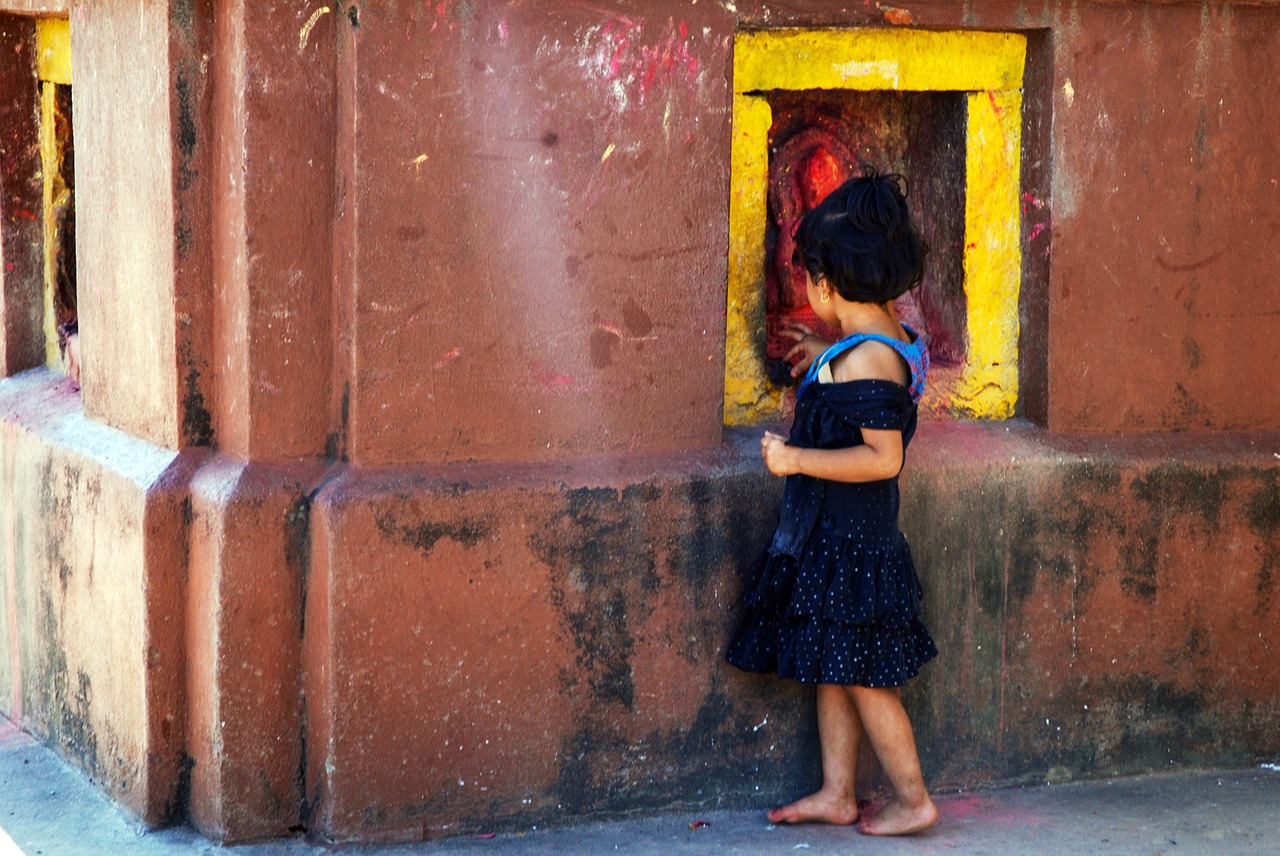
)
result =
(1275, 768)
(881, 70)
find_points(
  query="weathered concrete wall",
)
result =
(531, 643)
(1105, 605)
(244, 647)
(125, 223)
(93, 545)
(444, 286)
(1164, 205)
(541, 216)
(546, 644)
(494, 646)
(273, 112)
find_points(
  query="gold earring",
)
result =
(826, 297)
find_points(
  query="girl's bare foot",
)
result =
(820, 807)
(896, 818)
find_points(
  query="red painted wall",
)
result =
(431, 300)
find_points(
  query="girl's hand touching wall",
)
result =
(807, 348)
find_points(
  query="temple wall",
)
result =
(93, 546)
(398, 500)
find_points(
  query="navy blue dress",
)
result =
(836, 599)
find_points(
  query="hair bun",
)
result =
(861, 238)
(878, 203)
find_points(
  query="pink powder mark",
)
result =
(448, 358)
(439, 15)
(1036, 230)
(988, 811)
(502, 31)
(645, 67)
(549, 379)
(12, 735)
(620, 41)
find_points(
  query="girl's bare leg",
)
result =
(840, 733)
(889, 730)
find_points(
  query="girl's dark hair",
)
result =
(860, 239)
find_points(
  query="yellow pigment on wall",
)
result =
(53, 67)
(907, 60)
(746, 392)
(987, 65)
(53, 50)
(992, 256)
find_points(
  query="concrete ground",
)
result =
(49, 809)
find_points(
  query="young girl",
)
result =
(836, 602)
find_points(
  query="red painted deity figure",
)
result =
(803, 169)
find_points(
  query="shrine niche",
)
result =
(818, 140)
(811, 107)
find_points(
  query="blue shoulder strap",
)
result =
(914, 353)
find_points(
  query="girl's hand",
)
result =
(807, 348)
(781, 459)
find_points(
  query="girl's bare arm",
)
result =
(879, 457)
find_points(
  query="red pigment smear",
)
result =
(648, 66)
(548, 378)
(698, 824)
(1035, 231)
(823, 174)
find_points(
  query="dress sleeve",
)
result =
(876, 404)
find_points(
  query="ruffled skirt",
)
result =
(846, 611)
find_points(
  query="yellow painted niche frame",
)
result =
(987, 66)
(53, 66)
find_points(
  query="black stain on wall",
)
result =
(1176, 488)
(335, 445)
(197, 421)
(1139, 574)
(636, 320)
(177, 807)
(423, 536)
(724, 521)
(604, 571)
(186, 129)
(297, 531)
(66, 704)
(1263, 513)
(602, 345)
